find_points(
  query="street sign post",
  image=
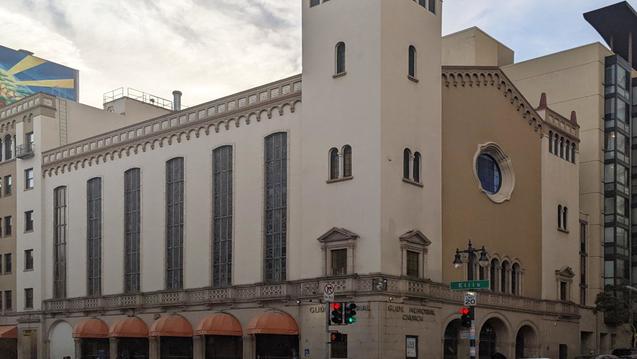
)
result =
(470, 299)
(470, 285)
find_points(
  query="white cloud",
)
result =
(211, 48)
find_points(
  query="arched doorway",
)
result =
(93, 339)
(276, 335)
(525, 343)
(451, 340)
(61, 342)
(222, 336)
(174, 334)
(492, 339)
(132, 338)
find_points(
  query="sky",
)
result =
(212, 48)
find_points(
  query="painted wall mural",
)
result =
(22, 75)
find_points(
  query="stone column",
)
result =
(78, 348)
(249, 346)
(153, 348)
(112, 347)
(198, 347)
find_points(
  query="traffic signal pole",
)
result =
(472, 334)
(328, 320)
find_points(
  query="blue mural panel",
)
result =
(22, 74)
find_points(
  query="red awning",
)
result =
(219, 324)
(273, 323)
(171, 326)
(91, 328)
(132, 327)
(8, 332)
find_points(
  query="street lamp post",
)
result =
(483, 261)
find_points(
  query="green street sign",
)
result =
(470, 285)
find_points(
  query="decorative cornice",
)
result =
(229, 112)
(415, 237)
(487, 76)
(9, 114)
(337, 235)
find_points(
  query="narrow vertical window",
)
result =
(494, 274)
(174, 223)
(8, 185)
(573, 153)
(28, 221)
(28, 259)
(29, 180)
(59, 242)
(559, 216)
(28, 298)
(334, 166)
(515, 276)
(432, 6)
(556, 145)
(550, 141)
(504, 272)
(565, 218)
(561, 147)
(340, 58)
(567, 153)
(8, 147)
(406, 160)
(417, 160)
(275, 207)
(347, 161)
(412, 62)
(94, 236)
(339, 261)
(132, 230)
(222, 217)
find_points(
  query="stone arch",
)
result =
(60, 336)
(494, 336)
(452, 345)
(526, 341)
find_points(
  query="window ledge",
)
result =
(28, 270)
(413, 79)
(412, 182)
(563, 230)
(341, 74)
(29, 189)
(342, 179)
(28, 231)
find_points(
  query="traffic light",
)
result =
(466, 318)
(336, 313)
(350, 313)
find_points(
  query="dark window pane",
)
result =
(489, 173)
(275, 207)
(174, 223)
(132, 206)
(222, 217)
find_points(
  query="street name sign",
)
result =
(470, 285)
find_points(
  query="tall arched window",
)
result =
(494, 274)
(347, 161)
(573, 152)
(340, 58)
(561, 147)
(567, 153)
(8, 147)
(515, 276)
(416, 170)
(174, 223)
(504, 272)
(559, 216)
(412, 62)
(551, 141)
(556, 141)
(406, 160)
(94, 236)
(334, 163)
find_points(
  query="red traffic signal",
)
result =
(466, 317)
(336, 314)
(464, 311)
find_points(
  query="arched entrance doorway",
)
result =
(174, 334)
(525, 343)
(93, 339)
(222, 336)
(61, 343)
(492, 339)
(132, 338)
(451, 340)
(276, 336)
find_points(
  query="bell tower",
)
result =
(372, 80)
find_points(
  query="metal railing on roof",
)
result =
(139, 96)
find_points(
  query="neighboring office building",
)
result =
(225, 220)
(27, 128)
(596, 83)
